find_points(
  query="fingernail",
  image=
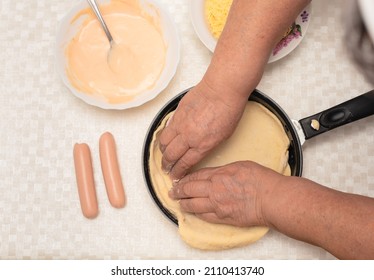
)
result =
(175, 182)
(168, 121)
(171, 193)
(162, 148)
(168, 168)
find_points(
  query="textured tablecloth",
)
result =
(40, 120)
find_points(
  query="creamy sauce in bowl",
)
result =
(134, 63)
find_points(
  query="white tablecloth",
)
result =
(40, 121)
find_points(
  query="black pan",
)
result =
(297, 131)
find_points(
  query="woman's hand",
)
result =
(247, 194)
(232, 194)
(201, 121)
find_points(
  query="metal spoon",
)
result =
(97, 12)
(119, 56)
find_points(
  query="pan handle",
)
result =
(352, 110)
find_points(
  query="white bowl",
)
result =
(68, 29)
(201, 27)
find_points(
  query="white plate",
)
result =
(200, 25)
(367, 11)
(67, 31)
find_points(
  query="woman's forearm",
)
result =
(339, 222)
(252, 29)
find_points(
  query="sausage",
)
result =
(111, 172)
(85, 180)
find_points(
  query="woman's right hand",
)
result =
(234, 194)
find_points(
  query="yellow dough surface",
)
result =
(259, 137)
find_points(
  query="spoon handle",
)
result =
(97, 12)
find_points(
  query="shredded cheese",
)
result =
(216, 12)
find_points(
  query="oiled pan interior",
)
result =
(295, 152)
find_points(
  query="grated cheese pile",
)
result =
(216, 12)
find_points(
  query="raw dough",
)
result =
(259, 137)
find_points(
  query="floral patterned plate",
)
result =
(292, 38)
